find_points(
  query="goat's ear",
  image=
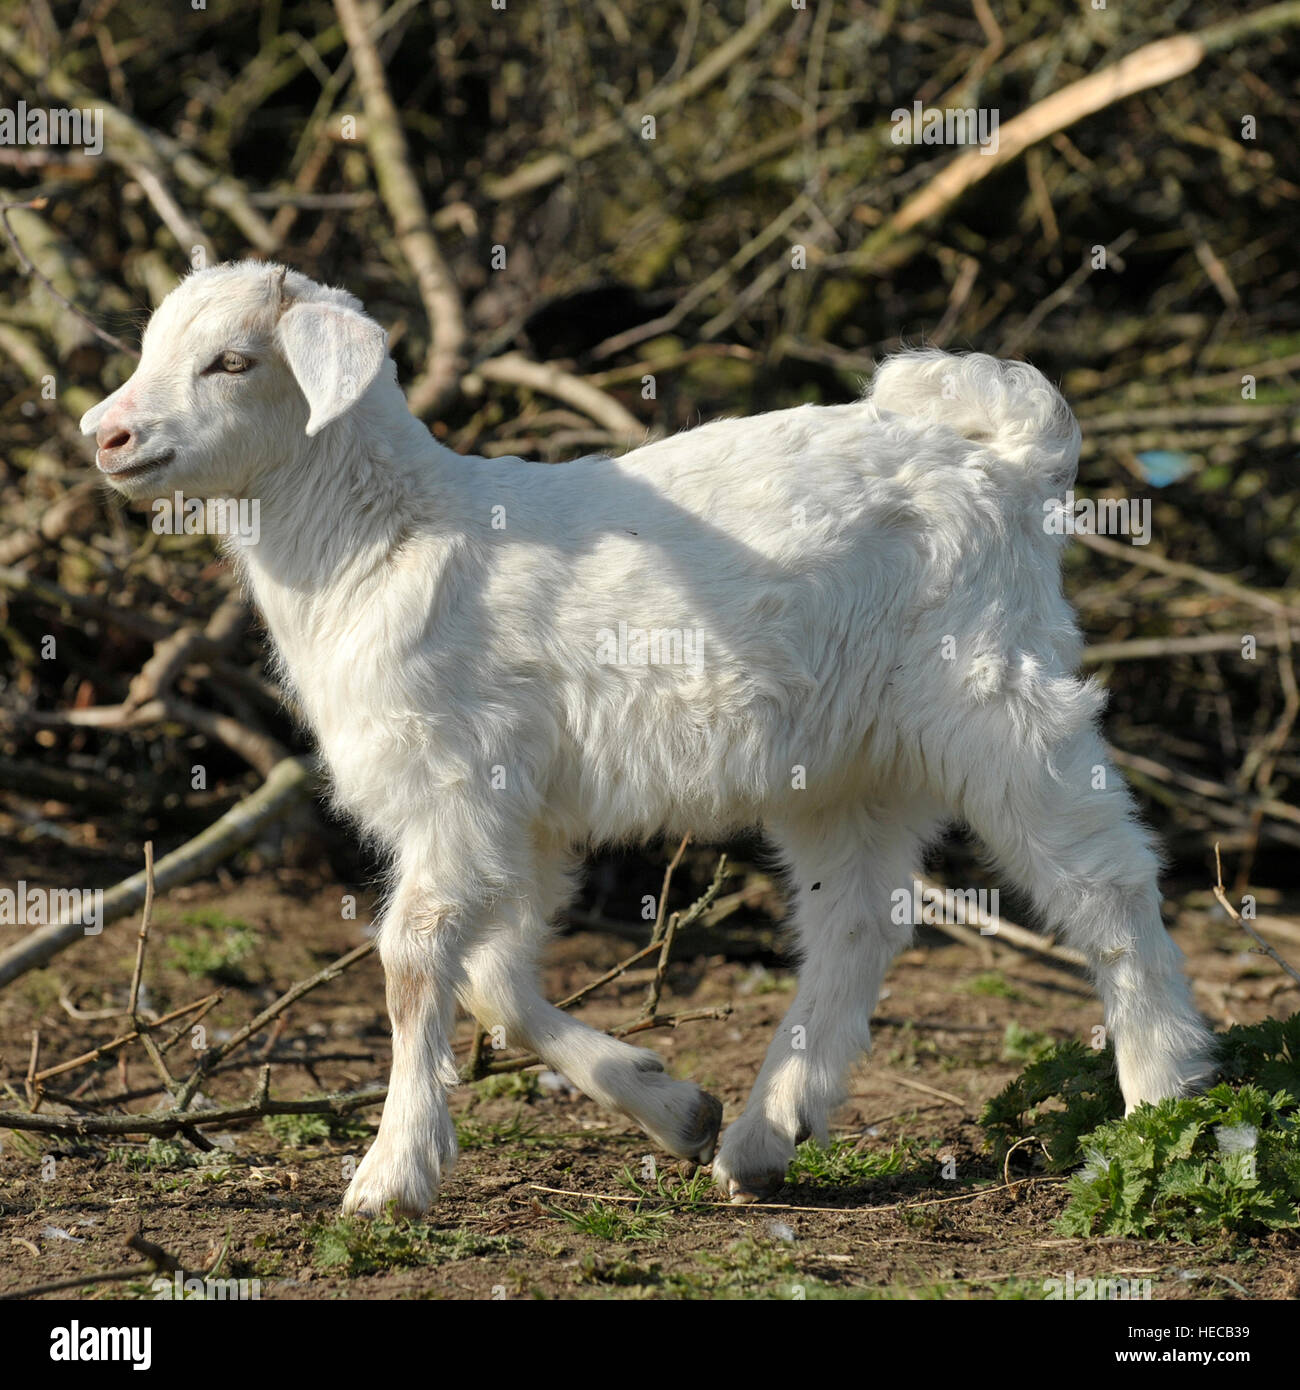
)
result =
(334, 354)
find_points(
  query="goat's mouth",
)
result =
(138, 470)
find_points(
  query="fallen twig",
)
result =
(1008, 932)
(1216, 583)
(797, 1206)
(159, 1260)
(272, 1011)
(287, 783)
(97, 1053)
(169, 1122)
(174, 652)
(1240, 921)
(678, 922)
(1154, 648)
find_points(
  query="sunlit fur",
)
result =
(884, 648)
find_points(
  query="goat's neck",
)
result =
(332, 521)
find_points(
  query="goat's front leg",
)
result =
(421, 944)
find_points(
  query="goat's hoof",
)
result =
(374, 1192)
(372, 1209)
(697, 1136)
(742, 1185)
(370, 1206)
(742, 1191)
(690, 1129)
(702, 1141)
(751, 1164)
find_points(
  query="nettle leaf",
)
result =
(1060, 1097)
(1191, 1169)
(1267, 1053)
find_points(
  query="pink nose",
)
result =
(112, 436)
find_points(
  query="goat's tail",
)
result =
(1010, 406)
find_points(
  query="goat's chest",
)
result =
(375, 713)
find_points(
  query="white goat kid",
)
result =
(878, 644)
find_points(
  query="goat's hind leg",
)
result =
(844, 868)
(501, 991)
(1060, 821)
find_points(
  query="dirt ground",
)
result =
(554, 1198)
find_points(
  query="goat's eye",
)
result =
(230, 363)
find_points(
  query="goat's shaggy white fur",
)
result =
(878, 641)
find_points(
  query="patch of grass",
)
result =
(355, 1246)
(745, 1270)
(302, 1131)
(157, 1155)
(213, 919)
(952, 1290)
(29, 1145)
(616, 1221)
(924, 1220)
(40, 991)
(843, 1164)
(629, 1222)
(597, 1269)
(911, 1048)
(992, 985)
(682, 1194)
(210, 1169)
(1020, 1044)
(297, 1131)
(216, 949)
(497, 1134)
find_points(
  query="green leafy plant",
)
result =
(297, 1131)
(1224, 1162)
(1021, 1044)
(495, 1134)
(156, 1154)
(1063, 1095)
(302, 1131)
(687, 1194)
(1267, 1053)
(992, 985)
(513, 1085)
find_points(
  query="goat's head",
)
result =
(240, 364)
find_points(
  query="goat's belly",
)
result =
(646, 783)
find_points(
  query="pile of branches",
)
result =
(581, 233)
